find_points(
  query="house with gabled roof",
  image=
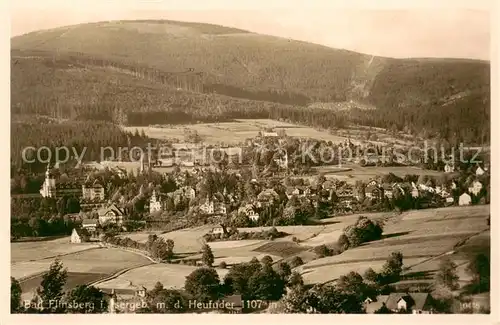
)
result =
(416, 302)
(75, 237)
(111, 214)
(464, 199)
(373, 192)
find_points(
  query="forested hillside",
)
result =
(135, 72)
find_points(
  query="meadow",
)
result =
(170, 275)
(422, 236)
(232, 133)
(36, 250)
(351, 172)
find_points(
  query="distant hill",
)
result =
(161, 64)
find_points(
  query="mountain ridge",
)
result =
(252, 66)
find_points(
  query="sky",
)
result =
(411, 28)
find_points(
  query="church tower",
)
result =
(49, 185)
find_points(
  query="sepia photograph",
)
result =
(188, 158)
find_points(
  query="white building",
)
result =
(479, 171)
(476, 187)
(49, 185)
(154, 203)
(75, 237)
(93, 192)
(464, 199)
(254, 217)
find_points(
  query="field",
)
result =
(421, 236)
(102, 260)
(355, 172)
(83, 267)
(170, 275)
(187, 241)
(74, 279)
(27, 251)
(233, 132)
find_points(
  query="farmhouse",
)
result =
(464, 199)
(417, 302)
(75, 237)
(111, 214)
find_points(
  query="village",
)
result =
(258, 194)
(271, 185)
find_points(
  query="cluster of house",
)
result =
(416, 302)
(111, 214)
(132, 297)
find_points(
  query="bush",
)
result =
(222, 265)
(321, 251)
(296, 261)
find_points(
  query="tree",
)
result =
(284, 271)
(89, 300)
(295, 280)
(352, 284)
(207, 255)
(296, 301)
(370, 275)
(170, 249)
(343, 242)
(447, 274)
(267, 260)
(72, 205)
(15, 296)
(479, 269)
(322, 251)
(266, 284)
(393, 267)
(163, 301)
(51, 287)
(203, 284)
(330, 300)
(296, 261)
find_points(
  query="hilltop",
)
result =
(119, 61)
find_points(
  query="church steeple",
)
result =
(48, 172)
